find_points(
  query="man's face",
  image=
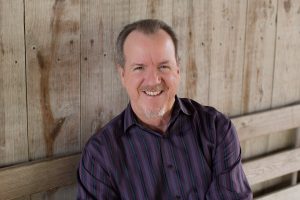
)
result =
(151, 73)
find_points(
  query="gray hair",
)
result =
(147, 26)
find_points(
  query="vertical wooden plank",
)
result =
(156, 9)
(102, 96)
(287, 68)
(259, 55)
(286, 83)
(198, 53)
(180, 26)
(227, 55)
(65, 193)
(160, 9)
(258, 66)
(13, 116)
(138, 10)
(52, 51)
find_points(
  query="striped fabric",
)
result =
(198, 157)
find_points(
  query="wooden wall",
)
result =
(58, 82)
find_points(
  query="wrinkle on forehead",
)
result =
(149, 49)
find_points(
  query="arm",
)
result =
(93, 181)
(229, 180)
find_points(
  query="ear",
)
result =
(121, 72)
(178, 69)
(178, 66)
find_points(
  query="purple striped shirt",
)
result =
(198, 157)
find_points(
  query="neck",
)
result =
(157, 124)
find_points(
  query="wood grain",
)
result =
(259, 55)
(13, 113)
(160, 9)
(64, 193)
(287, 68)
(102, 95)
(296, 145)
(291, 193)
(138, 10)
(197, 57)
(272, 166)
(263, 123)
(258, 70)
(34, 177)
(286, 81)
(227, 55)
(53, 49)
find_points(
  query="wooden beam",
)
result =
(270, 167)
(263, 123)
(33, 177)
(297, 145)
(291, 193)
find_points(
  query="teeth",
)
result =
(152, 93)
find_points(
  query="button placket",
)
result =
(169, 166)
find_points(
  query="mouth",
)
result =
(153, 93)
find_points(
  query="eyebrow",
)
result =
(143, 65)
(164, 62)
(137, 64)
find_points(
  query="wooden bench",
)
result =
(38, 176)
(279, 164)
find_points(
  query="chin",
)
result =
(154, 113)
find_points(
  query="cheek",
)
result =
(132, 84)
(173, 81)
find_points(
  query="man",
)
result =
(160, 146)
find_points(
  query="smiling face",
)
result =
(150, 75)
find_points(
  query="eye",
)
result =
(164, 67)
(138, 68)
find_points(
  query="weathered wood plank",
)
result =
(102, 95)
(291, 193)
(267, 122)
(287, 68)
(196, 57)
(53, 63)
(296, 145)
(273, 166)
(160, 9)
(13, 116)
(64, 193)
(23, 198)
(180, 26)
(39, 176)
(227, 55)
(259, 55)
(138, 10)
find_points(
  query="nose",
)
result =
(153, 76)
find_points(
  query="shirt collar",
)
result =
(130, 118)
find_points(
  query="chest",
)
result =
(147, 166)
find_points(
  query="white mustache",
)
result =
(154, 88)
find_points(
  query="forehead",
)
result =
(158, 45)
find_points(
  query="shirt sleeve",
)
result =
(228, 178)
(93, 181)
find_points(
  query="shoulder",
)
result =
(213, 123)
(201, 110)
(100, 144)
